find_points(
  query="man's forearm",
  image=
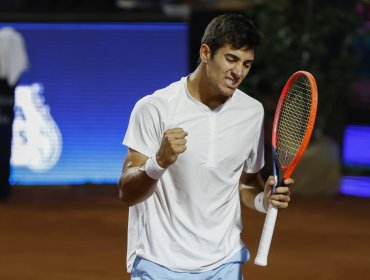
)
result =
(248, 195)
(250, 186)
(135, 186)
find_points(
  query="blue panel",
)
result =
(356, 186)
(356, 145)
(82, 85)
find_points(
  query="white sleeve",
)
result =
(145, 129)
(256, 159)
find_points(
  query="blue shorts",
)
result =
(231, 270)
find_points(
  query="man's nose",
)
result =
(237, 70)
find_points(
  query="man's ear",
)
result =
(204, 53)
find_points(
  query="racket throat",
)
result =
(276, 170)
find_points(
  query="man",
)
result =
(193, 147)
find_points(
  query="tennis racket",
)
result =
(292, 128)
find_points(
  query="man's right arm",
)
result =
(135, 185)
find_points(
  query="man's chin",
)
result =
(228, 92)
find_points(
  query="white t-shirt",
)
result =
(192, 221)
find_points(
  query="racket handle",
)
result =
(267, 232)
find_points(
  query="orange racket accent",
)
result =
(294, 120)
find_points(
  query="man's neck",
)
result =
(201, 89)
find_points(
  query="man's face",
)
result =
(227, 68)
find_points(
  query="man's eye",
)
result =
(229, 59)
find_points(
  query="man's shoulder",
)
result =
(162, 97)
(246, 100)
(169, 91)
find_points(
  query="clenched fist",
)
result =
(173, 144)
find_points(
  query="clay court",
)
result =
(78, 233)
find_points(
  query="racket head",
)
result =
(294, 120)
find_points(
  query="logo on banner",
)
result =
(37, 141)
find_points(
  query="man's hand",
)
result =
(281, 196)
(173, 144)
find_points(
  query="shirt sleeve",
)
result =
(144, 132)
(256, 159)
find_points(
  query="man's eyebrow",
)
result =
(238, 58)
(249, 61)
(232, 55)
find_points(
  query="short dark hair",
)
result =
(234, 29)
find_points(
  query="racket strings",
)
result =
(293, 120)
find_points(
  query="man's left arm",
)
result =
(252, 184)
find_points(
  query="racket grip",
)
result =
(266, 237)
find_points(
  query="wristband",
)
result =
(152, 169)
(258, 203)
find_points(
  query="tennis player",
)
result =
(195, 151)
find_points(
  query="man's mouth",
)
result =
(232, 83)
